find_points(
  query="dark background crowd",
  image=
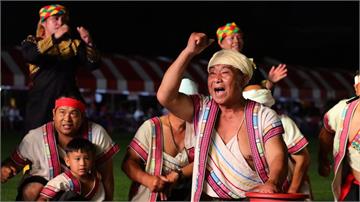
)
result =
(125, 113)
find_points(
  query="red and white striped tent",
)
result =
(131, 74)
(320, 84)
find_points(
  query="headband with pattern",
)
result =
(50, 10)
(228, 29)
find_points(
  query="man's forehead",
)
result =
(220, 67)
(233, 34)
(54, 16)
(68, 108)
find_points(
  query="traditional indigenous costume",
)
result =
(148, 145)
(293, 138)
(346, 152)
(39, 148)
(53, 64)
(66, 181)
(221, 171)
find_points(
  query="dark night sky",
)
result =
(323, 33)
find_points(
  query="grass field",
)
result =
(320, 186)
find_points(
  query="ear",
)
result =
(246, 79)
(67, 160)
(40, 30)
(54, 112)
(220, 43)
(43, 26)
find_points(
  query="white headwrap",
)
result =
(262, 96)
(233, 58)
(188, 87)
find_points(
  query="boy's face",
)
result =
(80, 163)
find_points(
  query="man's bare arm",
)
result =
(326, 140)
(168, 96)
(107, 175)
(8, 170)
(132, 167)
(302, 162)
(276, 156)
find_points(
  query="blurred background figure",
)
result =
(11, 115)
(296, 142)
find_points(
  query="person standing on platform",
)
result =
(53, 56)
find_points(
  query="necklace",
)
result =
(172, 136)
(242, 122)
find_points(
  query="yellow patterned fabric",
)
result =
(65, 50)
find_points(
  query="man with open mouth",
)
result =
(239, 147)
